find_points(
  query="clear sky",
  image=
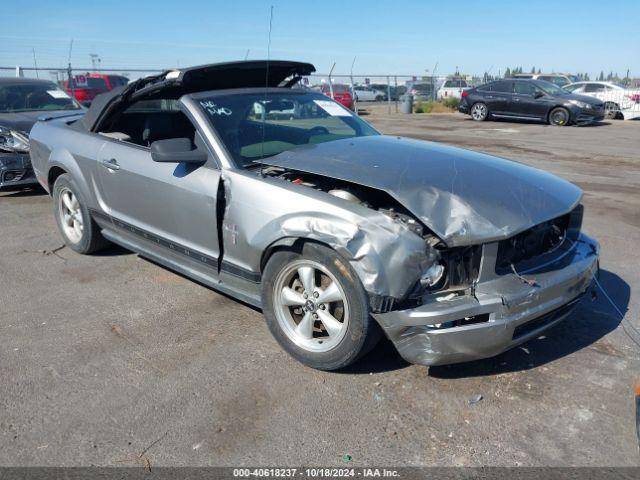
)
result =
(401, 37)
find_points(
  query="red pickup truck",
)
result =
(87, 86)
(341, 94)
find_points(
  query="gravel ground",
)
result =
(104, 355)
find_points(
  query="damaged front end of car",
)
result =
(522, 286)
(502, 256)
(15, 163)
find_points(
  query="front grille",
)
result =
(544, 238)
(461, 266)
(537, 323)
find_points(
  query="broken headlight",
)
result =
(13, 141)
(432, 275)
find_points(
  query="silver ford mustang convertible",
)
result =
(280, 197)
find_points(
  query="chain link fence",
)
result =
(429, 93)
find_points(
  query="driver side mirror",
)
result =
(177, 150)
(538, 95)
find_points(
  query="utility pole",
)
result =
(35, 62)
(330, 81)
(70, 72)
(353, 93)
(95, 59)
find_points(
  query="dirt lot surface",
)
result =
(104, 356)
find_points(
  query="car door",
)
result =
(499, 97)
(170, 204)
(524, 103)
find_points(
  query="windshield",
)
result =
(550, 88)
(34, 97)
(258, 125)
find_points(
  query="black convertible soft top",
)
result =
(215, 76)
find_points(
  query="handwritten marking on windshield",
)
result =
(214, 109)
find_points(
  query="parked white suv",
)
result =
(452, 88)
(619, 101)
(368, 94)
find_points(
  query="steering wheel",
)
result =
(318, 130)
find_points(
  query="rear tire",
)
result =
(79, 231)
(479, 111)
(326, 335)
(559, 117)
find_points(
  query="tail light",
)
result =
(464, 94)
(413, 92)
(634, 97)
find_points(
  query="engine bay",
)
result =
(365, 196)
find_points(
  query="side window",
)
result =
(574, 88)
(524, 88)
(501, 87)
(146, 121)
(593, 88)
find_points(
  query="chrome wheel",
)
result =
(559, 117)
(310, 306)
(479, 111)
(70, 216)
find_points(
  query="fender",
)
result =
(387, 258)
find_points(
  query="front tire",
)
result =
(611, 111)
(559, 117)
(479, 111)
(316, 307)
(78, 229)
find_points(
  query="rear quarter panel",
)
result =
(54, 144)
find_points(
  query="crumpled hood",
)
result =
(464, 197)
(23, 121)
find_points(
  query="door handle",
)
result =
(111, 164)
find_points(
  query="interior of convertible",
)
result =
(251, 125)
(146, 121)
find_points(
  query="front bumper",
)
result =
(583, 116)
(16, 170)
(509, 310)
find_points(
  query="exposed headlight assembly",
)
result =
(580, 104)
(13, 141)
(432, 275)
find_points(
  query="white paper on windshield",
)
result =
(57, 94)
(333, 108)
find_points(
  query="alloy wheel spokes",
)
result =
(311, 306)
(71, 216)
(66, 199)
(330, 322)
(307, 277)
(330, 294)
(305, 327)
(291, 298)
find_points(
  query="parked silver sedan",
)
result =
(286, 200)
